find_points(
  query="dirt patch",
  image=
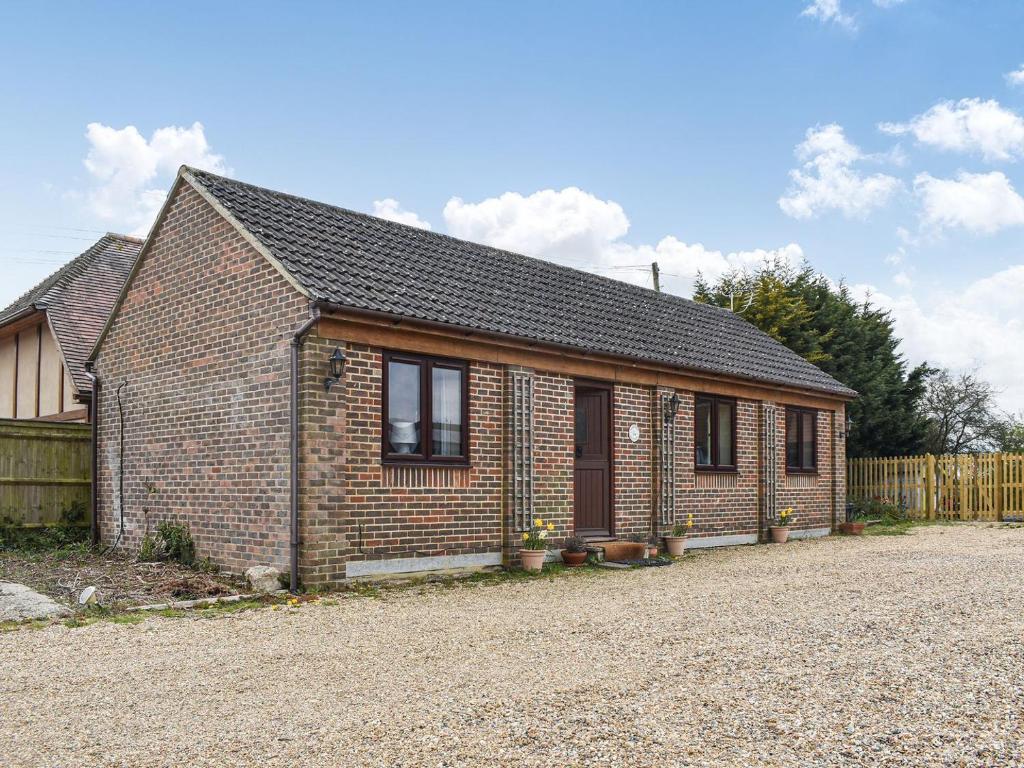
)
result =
(120, 580)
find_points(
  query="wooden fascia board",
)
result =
(25, 321)
(408, 336)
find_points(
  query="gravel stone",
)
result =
(846, 651)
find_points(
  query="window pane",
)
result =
(404, 407)
(702, 418)
(725, 457)
(446, 411)
(807, 449)
(792, 439)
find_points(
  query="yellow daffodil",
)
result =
(551, 526)
(538, 522)
(526, 536)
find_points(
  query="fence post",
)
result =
(999, 487)
(930, 485)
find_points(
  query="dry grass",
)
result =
(121, 581)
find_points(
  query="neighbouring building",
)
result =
(47, 334)
(440, 395)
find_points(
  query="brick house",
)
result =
(304, 384)
(47, 333)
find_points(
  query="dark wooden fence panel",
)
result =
(44, 469)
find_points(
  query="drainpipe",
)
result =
(94, 419)
(298, 337)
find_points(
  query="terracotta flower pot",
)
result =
(780, 534)
(676, 545)
(574, 559)
(533, 559)
(851, 529)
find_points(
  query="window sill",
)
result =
(717, 470)
(463, 464)
(804, 472)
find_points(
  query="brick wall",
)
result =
(355, 508)
(810, 495)
(201, 347)
(634, 465)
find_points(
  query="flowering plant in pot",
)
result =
(780, 531)
(535, 545)
(575, 553)
(675, 541)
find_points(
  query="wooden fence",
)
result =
(44, 469)
(983, 486)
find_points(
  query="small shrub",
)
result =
(881, 509)
(66, 534)
(147, 550)
(172, 541)
(176, 541)
(575, 544)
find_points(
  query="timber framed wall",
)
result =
(34, 383)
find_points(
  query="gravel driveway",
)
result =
(903, 650)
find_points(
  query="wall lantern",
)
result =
(849, 427)
(336, 361)
(672, 407)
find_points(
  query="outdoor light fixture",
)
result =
(336, 361)
(672, 407)
(849, 427)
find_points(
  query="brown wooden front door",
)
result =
(592, 473)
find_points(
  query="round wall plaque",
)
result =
(634, 432)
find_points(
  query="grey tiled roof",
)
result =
(78, 298)
(364, 262)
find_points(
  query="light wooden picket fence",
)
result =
(982, 486)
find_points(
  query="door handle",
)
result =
(579, 451)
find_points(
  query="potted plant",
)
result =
(535, 545)
(675, 541)
(780, 531)
(852, 528)
(575, 553)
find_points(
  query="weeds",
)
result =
(70, 532)
(172, 541)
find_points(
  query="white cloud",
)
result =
(971, 328)
(1016, 77)
(830, 12)
(574, 227)
(390, 209)
(567, 223)
(828, 179)
(124, 167)
(968, 125)
(978, 202)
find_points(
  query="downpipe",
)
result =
(298, 337)
(94, 469)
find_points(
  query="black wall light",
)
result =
(336, 361)
(672, 407)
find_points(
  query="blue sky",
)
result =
(880, 140)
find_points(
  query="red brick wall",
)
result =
(810, 495)
(201, 345)
(634, 462)
(355, 508)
